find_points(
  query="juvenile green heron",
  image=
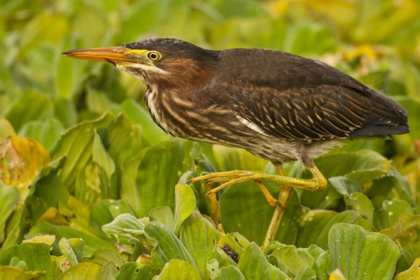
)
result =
(278, 106)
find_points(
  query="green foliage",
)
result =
(113, 203)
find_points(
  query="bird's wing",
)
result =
(307, 114)
(295, 98)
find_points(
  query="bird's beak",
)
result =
(114, 55)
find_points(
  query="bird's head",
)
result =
(166, 62)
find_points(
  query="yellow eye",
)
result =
(154, 56)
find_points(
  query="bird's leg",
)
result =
(235, 177)
(230, 178)
(284, 197)
(270, 199)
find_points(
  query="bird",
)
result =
(278, 106)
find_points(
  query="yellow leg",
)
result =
(230, 178)
(284, 197)
(270, 199)
(234, 177)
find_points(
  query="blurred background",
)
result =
(43, 93)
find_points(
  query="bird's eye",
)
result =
(154, 56)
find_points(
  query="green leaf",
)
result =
(290, 259)
(163, 215)
(311, 225)
(102, 256)
(149, 180)
(390, 212)
(254, 265)
(31, 106)
(102, 158)
(322, 266)
(229, 272)
(349, 216)
(305, 273)
(72, 248)
(178, 269)
(360, 203)
(35, 255)
(360, 254)
(125, 228)
(200, 238)
(345, 186)
(108, 271)
(125, 140)
(9, 196)
(45, 132)
(184, 205)
(76, 144)
(134, 271)
(168, 246)
(82, 271)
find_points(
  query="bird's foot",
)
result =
(235, 177)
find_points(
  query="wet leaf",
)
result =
(229, 272)
(125, 228)
(163, 215)
(349, 216)
(200, 238)
(185, 203)
(168, 246)
(311, 225)
(360, 254)
(254, 265)
(72, 248)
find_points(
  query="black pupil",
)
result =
(153, 56)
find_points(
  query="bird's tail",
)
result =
(387, 117)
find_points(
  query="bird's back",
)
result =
(298, 98)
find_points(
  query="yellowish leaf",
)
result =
(47, 239)
(20, 160)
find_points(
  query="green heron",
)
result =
(278, 106)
